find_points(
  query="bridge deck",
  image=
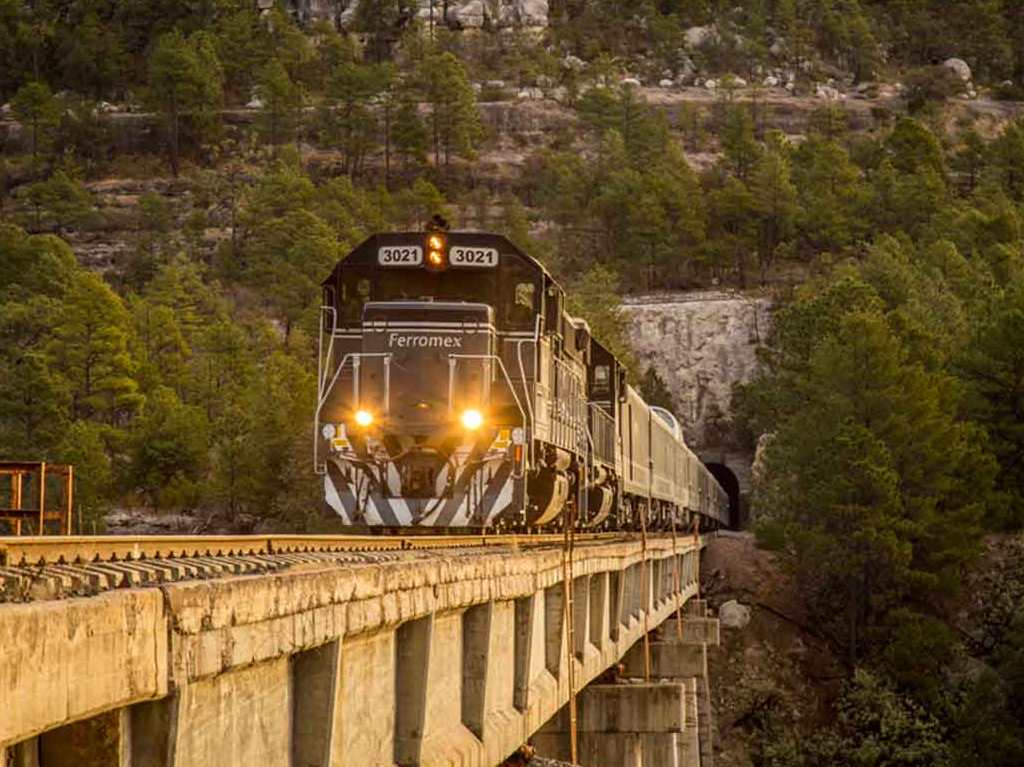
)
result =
(426, 656)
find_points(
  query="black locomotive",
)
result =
(456, 391)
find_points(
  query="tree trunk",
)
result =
(174, 136)
(387, 146)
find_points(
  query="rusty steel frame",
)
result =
(16, 514)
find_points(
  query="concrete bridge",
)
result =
(436, 657)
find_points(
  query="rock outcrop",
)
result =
(701, 344)
(460, 14)
(733, 615)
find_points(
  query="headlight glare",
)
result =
(472, 419)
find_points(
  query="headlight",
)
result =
(472, 419)
(364, 418)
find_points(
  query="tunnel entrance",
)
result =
(727, 479)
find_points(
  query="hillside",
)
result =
(177, 178)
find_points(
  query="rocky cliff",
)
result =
(458, 14)
(701, 344)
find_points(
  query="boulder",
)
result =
(348, 16)
(771, 81)
(959, 67)
(532, 13)
(733, 615)
(827, 92)
(530, 94)
(666, 83)
(630, 82)
(711, 84)
(466, 15)
(697, 36)
(574, 63)
(687, 72)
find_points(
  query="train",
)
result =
(455, 390)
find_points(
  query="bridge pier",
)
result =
(430, 659)
(666, 722)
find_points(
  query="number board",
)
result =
(400, 255)
(485, 258)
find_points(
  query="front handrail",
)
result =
(323, 362)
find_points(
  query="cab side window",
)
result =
(521, 303)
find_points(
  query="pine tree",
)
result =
(993, 365)
(169, 444)
(873, 486)
(346, 118)
(36, 108)
(62, 200)
(90, 348)
(185, 86)
(775, 203)
(280, 114)
(409, 134)
(454, 119)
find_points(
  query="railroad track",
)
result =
(50, 567)
(84, 549)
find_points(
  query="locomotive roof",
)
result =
(365, 254)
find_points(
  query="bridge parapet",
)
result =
(431, 657)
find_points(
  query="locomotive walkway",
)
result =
(296, 652)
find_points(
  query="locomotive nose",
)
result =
(427, 367)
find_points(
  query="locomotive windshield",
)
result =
(513, 290)
(361, 285)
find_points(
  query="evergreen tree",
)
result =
(873, 486)
(346, 117)
(92, 57)
(775, 203)
(409, 134)
(242, 44)
(90, 348)
(185, 86)
(282, 103)
(454, 119)
(993, 364)
(169, 449)
(36, 108)
(61, 200)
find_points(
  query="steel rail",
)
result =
(44, 550)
